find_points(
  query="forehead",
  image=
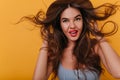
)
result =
(70, 13)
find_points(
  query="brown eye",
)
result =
(77, 19)
(65, 20)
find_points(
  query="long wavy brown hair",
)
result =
(84, 50)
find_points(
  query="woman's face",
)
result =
(71, 23)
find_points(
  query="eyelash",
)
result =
(64, 20)
(76, 19)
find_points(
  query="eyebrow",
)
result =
(79, 15)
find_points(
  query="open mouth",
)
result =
(73, 33)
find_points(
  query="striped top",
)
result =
(67, 74)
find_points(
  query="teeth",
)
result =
(73, 32)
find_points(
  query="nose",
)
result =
(72, 24)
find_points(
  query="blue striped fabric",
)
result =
(67, 74)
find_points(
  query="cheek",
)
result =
(64, 27)
(80, 25)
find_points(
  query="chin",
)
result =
(73, 40)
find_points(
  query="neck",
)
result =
(71, 44)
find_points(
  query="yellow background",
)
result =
(19, 44)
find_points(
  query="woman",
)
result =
(73, 46)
